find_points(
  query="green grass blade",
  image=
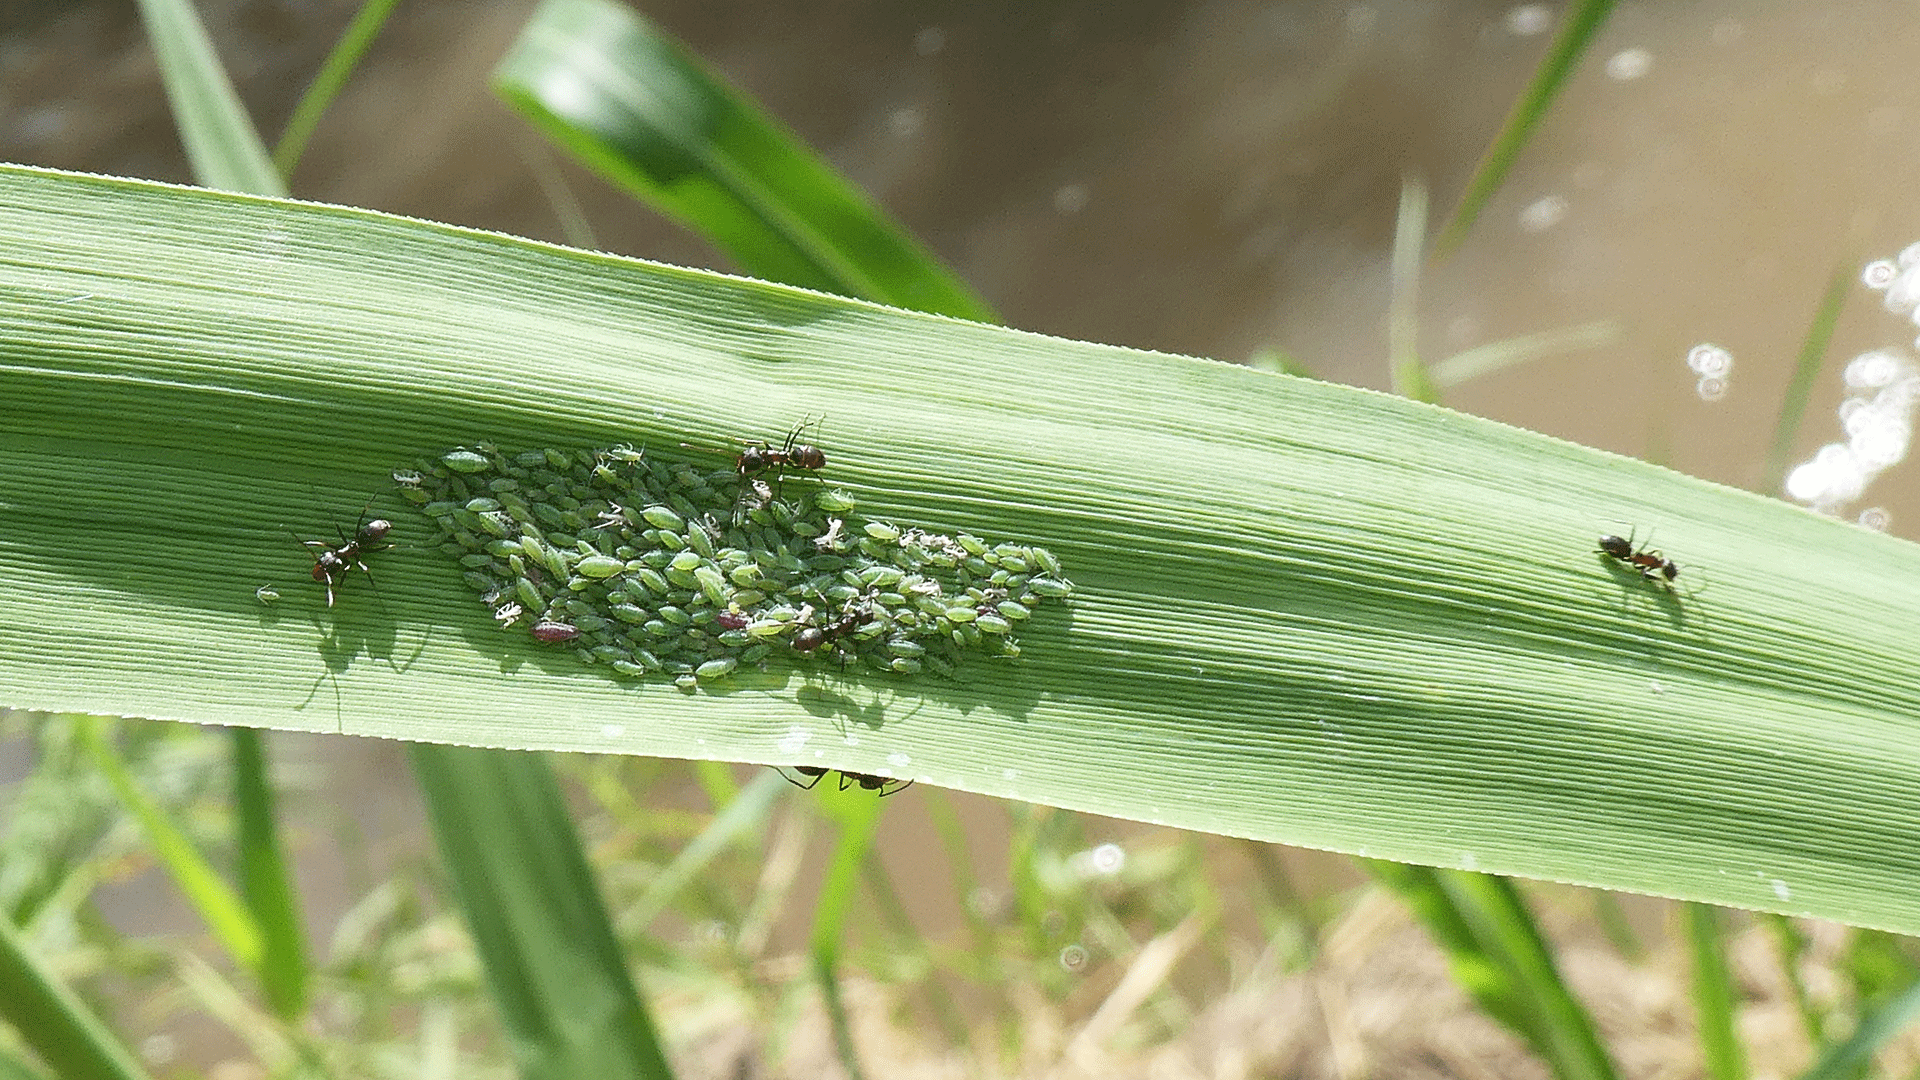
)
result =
(1715, 997)
(640, 110)
(1498, 955)
(743, 814)
(220, 140)
(1583, 22)
(858, 815)
(266, 879)
(1806, 367)
(1876, 1029)
(13, 1067)
(53, 1021)
(1410, 377)
(1305, 613)
(334, 71)
(1791, 944)
(1484, 360)
(558, 976)
(219, 906)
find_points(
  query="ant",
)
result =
(1650, 564)
(758, 457)
(885, 785)
(811, 637)
(333, 562)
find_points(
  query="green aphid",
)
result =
(959, 614)
(478, 582)
(516, 506)
(881, 577)
(628, 668)
(529, 594)
(476, 559)
(416, 495)
(683, 578)
(608, 653)
(835, 501)
(685, 560)
(766, 628)
(599, 566)
(630, 614)
(503, 484)
(496, 524)
(466, 461)
(680, 503)
(668, 541)
(646, 659)
(993, 624)
(654, 583)
(905, 665)
(890, 599)
(573, 605)
(734, 639)
(716, 669)
(549, 515)
(747, 598)
(1013, 609)
(688, 683)
(712, 584)
(661, 517)
(441, 509)
(906, 647)
(973, 544)
(517, 565)
(673, 614)
(658, 628)
(700, 542)
(756, 653)
(1052, 588)
(746, 576)
(558, 459)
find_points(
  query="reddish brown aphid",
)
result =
(731, 620)
(552, 632)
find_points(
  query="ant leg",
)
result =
(803, 770)
(897, 790)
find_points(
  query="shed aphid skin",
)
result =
(885, 785)
(333, 561)
(1650, 564)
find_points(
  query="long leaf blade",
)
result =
(559, 977)
(220, 140)
(54, 1021)
(636, 107)
(1306, 613)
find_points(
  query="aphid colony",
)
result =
(654, 567)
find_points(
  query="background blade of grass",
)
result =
(332, 78)
(54, 1022)
(1582, 22)
(1714, 995)
(746, 812)
(1497, 954)
(1806, 366)
(634, 106)
(1852, 1056)
(219, 906)
(858, 815)
(1307, 613)
(266, 879)
(220, 139)
(533, 906)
